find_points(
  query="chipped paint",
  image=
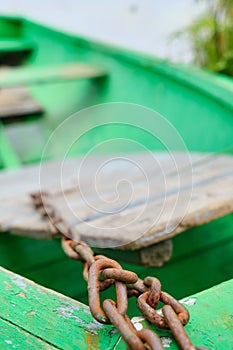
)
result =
(138, 326)
(31, 313)
(70, 319)
(137, 319)
(166, 342)
(37, 314)
(19, 282)
(137, 322)
(189, 301)
(21, 295)
(86, 310)
(96, 324)
(8, 341)
(68, 311)
(7, 285)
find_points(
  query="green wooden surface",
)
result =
(48, 74)
(8, 157)
(211, 320)
(10, 27)
(12, 45)
(32, 316)
(12, 337)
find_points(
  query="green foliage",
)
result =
(211, 37)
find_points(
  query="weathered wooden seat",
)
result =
(17, 103)
(27, 75)
(95, 218)
(15, 100)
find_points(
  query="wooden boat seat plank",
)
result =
(157, 189)
(17, 103)
(21, 218)
(212, 197)
(15, 191)
(49, 74)
(14, 186)
(23, 300)
(48, 175)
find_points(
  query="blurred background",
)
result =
(147, 25)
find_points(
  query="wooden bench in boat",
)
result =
(28, 75)
(210, 190)
(17, 103)
(26, 307)
(15, 100)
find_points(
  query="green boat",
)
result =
(48, 76)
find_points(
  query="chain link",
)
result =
(101, 272)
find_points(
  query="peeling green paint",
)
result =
(211, 322)
(36, 312)
(50, 320)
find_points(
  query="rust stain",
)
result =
(21, 294)
(31, 313)
(92, 341)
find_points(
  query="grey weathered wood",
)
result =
(156, 254)
(16, 103)
(16, 209)
(211, 198)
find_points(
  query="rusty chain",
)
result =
(101, 272)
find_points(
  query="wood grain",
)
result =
(119, 208)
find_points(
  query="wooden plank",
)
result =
(17, 213)
(212, 197)
(49, 74)
(14, 186)
(17, 103)
(55, 319)
(210, 323)
(47, 176)
(13, 336)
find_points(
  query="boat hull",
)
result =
(198, 104)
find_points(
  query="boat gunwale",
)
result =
(215, 86)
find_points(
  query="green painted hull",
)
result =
(197, 103)
(28, 307)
